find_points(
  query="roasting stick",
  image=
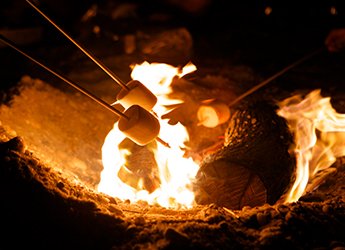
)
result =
(76, 86)
(127, 125)
(85, 51)
(268, 80)
(134, 92)
(213, 114)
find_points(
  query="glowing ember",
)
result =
(319, 133)
(174, 170)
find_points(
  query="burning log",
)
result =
(254, 166)
(140, 170)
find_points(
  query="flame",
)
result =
(175, 171)
(319, 136)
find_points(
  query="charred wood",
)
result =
(254, 166)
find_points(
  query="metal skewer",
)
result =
(85, 51)
(268, 80)
(73, 84)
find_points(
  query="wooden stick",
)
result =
(85, 51)
(263, 83)
(70, 82)
(95, 60)
(164, 143)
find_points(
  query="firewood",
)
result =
(140, 170)
(254, 165)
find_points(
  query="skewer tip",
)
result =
(163, 142)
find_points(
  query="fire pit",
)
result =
(71, 179)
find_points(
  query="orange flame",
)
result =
(319, 136)
(175, 171)
(319, 133)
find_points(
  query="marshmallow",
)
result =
(137, 94)
(141, 126)
(213, 114)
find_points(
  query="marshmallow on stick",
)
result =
(136, 94)
(213, 114)
(136, 123)
(141, 126)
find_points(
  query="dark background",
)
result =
(235, 32)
